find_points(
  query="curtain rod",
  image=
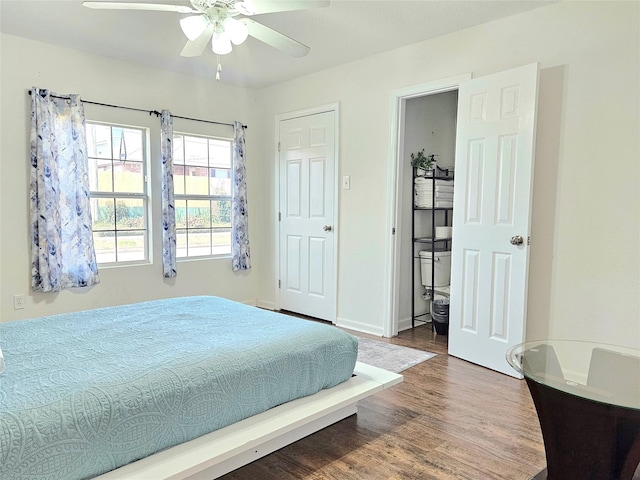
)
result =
(150, 112)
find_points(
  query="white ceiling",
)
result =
(343, 32)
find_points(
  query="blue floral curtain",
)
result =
(62, 253)
(241, 256)
(168, 203)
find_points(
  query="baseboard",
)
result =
(359, 327)
(267, 305)
(405, 324)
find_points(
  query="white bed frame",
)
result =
(229, 448)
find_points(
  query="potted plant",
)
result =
(422, 163)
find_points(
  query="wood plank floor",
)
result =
(449, 419)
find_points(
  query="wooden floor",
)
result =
(449, 419)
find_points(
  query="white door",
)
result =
(492, 200)
(307, 231)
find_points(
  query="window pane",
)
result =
(181, 243)
(181, 213)
(221, 242)
(129, 214)
(221, 213)
(119, 146)
(199, 214)
(197, 181)
(100, 175)
(128, 177)
(104, 244)
(220, 181)
(103, 214)
(178, 179)
(196, 151)
(133, 145)
(199, 242)
(131, 246)
(219, 153)
(178, 150)
(99, 141)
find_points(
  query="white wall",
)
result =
(26, 63)
(585, 255)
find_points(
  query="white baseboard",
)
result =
(267, 305)
(405, 323)
(359, 327)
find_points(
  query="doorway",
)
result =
(401, 287)
(495, 139)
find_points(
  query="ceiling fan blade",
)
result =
(196, 47)
(257, 7)
(139, 6)
(275, 39)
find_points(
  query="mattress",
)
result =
(84, 393)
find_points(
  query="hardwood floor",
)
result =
(449, 419)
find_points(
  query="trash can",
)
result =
(440, 315)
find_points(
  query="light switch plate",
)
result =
(346, 182)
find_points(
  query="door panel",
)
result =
(494, 167)
(307, 179)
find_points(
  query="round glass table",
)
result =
(587, 396)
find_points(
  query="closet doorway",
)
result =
(495, 137)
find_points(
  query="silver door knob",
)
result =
(517, 240)
(327, 228)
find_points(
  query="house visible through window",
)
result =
(202, 190)
(119, 202)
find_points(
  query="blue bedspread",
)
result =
(84, 393)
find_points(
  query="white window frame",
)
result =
(144, 196)
(200, 197)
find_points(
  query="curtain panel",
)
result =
(62, 251)
(168, 202)
(240, 252)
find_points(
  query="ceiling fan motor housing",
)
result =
(205, 5)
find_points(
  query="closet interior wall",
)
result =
(429, 123)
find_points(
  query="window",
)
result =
(117, 179)
(202, 190)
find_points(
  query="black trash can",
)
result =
(440, 316)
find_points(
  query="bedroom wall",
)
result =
(27, 63)
(585, 256)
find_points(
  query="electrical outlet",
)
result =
(346, 182)
(18, 302)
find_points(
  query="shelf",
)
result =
(430, 196)
(432, 208)
(429, 240)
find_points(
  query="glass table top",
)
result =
(603, 373)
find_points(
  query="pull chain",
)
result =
(219, 69)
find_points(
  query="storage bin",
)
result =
(442, 274)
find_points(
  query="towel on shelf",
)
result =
(428, 203)
(444, 196)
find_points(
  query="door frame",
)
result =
(396, 169)
(331, 107)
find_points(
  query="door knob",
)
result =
(327, 228)
(517, 240)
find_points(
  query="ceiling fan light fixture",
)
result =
(220, 43)
(237, 31)
(193, 26)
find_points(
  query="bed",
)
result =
(188, 387)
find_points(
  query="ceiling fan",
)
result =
(216, 20)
